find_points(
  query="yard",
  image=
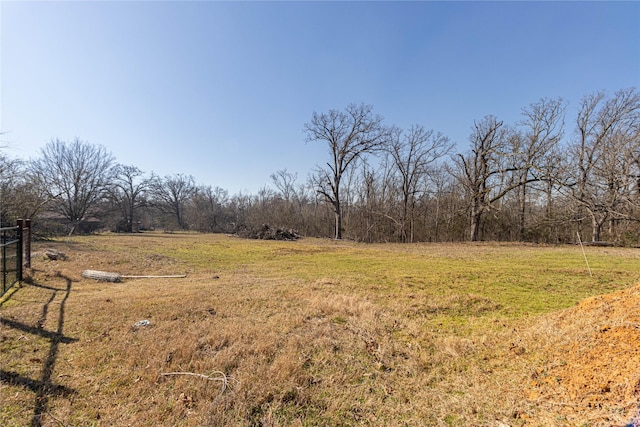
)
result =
(321, 332)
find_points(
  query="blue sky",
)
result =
(222, 90)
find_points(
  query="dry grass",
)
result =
(312, 332)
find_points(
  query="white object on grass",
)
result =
(105, 276)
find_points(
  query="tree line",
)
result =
(543, 178)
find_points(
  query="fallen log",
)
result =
(105, 276)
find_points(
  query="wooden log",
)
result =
(105, 276)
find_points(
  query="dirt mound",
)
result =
(592, 375)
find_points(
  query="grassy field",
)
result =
(313, 332)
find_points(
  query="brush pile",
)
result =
(267, 233)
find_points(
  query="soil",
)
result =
(592, 374)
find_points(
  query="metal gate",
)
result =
(10, 256)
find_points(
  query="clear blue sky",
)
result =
(222, 90)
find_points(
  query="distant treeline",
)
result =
(541, 179)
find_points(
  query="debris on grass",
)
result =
(267, 232)
(105, 276)
(141, 323)
(225, 381)
(55, 255)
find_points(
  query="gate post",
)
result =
(20, 224)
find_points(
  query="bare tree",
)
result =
(11, 177)
(240, 206)
(479, 166)
(210, 209)
(377, 188)
(285, 183)
(75, 175)
(444, 202)
(549, 224)
(28, 196)
(484, 170)
(603, 156)
(287, 201)
(413, 153)
(126, 191)
(311, 207)
(543, 124)
(350, 134)
(172, 193)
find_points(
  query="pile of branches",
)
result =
(267, 233)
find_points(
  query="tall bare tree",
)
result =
(171, 195)
(75, 175)
(543, 129)
(126, 190)
(603, 156)
(413, 153)
(350, 134)
(488, 171)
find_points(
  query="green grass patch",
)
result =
(514, 280)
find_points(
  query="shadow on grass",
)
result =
(43, 388)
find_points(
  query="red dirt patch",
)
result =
(593, 377)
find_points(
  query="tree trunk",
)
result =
(437, 221)
(130, 220)
(405, 216)
(596, 228)
(476, 215)
(523, 206)
(551, 227)
(338, 213)
(412, 225)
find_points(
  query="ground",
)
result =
(321, 333)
